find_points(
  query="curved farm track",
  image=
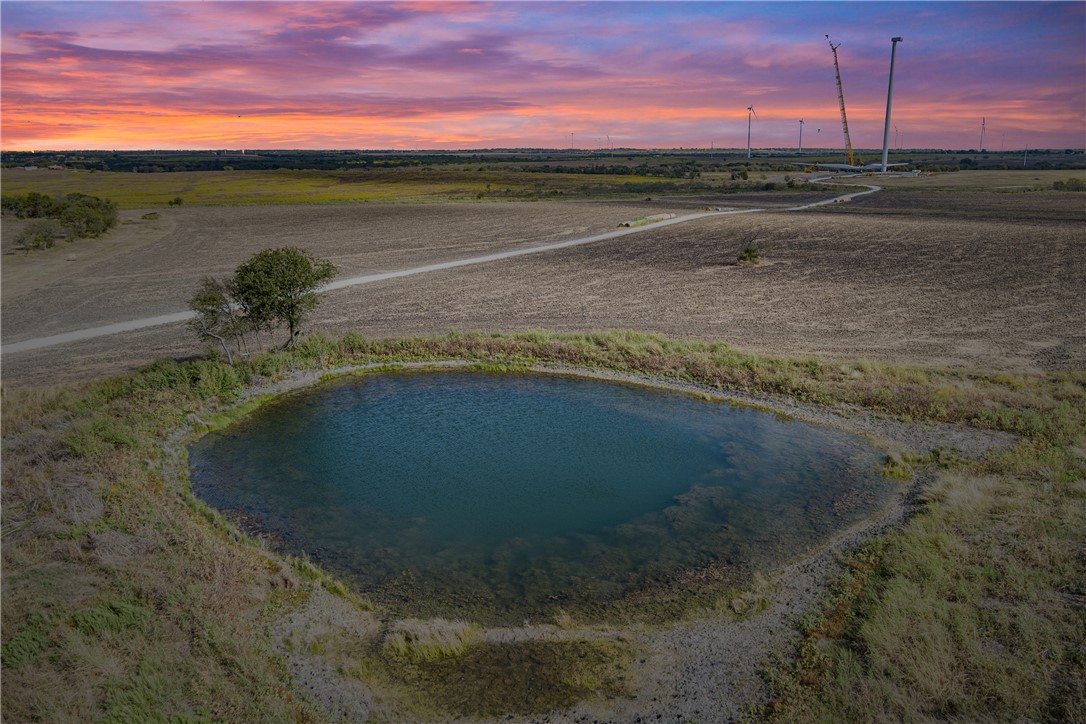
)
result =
(895, 276)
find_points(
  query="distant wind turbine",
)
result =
(750, 112)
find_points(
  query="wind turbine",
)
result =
(800, 152)
(889, 98)
(750, 112)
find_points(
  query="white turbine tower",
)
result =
(800, 152)
(889, 100)
(750, 112)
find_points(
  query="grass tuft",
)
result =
(27, 642)
(432, 640)
(750, 255)
(110, 616)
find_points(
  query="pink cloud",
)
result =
(501, 72)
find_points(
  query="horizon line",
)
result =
(706, 149)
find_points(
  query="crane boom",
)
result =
(841, 97)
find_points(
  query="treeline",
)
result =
(167, 162)
(661, 187)
(684, 169)
(72, 216)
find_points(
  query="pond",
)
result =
(502, 497)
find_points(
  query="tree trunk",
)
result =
(222, 342)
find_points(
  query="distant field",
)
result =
(1006, 180)
(454, 183)
(219, 188)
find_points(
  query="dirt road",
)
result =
(170, 318)
(858, 279)
(629, 228)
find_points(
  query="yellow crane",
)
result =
(841, 97)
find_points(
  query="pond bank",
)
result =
(708, 666)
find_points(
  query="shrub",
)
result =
(81, 214)
(218, 316)
(1071, 184)
(750, 254)
(40, 234)
(29, 206)
(87, 216)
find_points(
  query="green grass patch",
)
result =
(110, 616)
(238, 188)
(524, 678)
(27, 642)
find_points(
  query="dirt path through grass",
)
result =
(135, 324)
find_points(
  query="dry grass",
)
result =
(115, 591)
(432, 640)
(898, 290)
(126, 599)
(975, 609)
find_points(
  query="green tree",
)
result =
(218, 317)
(279, 286)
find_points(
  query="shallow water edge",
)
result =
(734, 641)
(698, 589)
(506, 496)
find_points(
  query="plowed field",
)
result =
(978, 279)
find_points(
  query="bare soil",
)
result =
(151, 267)
(891, 277)
(1011, 207)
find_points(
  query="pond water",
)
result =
(504, 497)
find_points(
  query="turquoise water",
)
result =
(505, 496)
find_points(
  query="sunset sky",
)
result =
(451, 75)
